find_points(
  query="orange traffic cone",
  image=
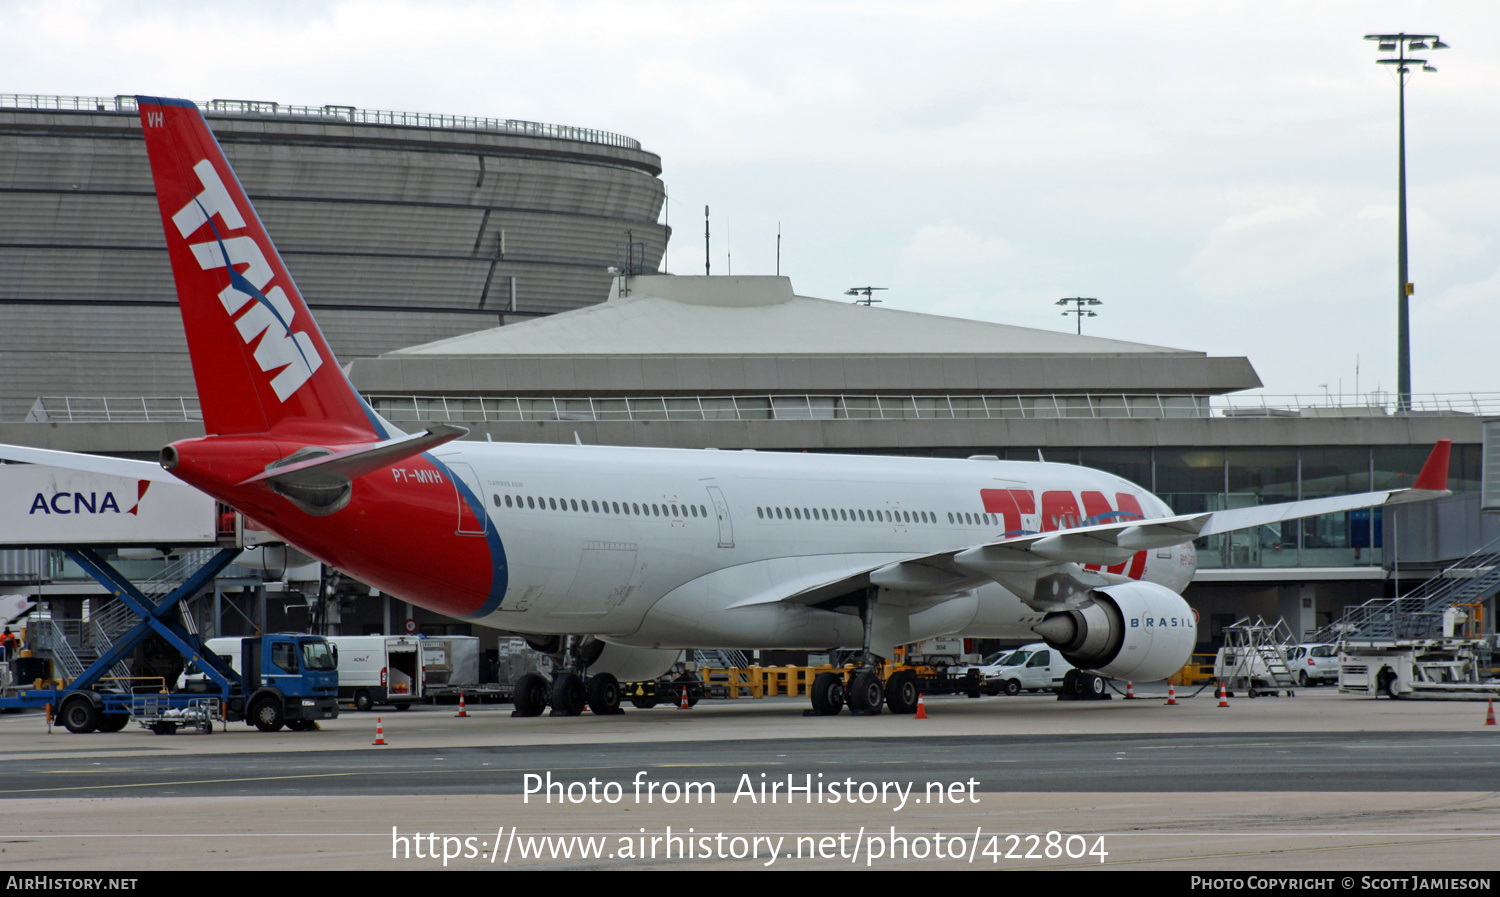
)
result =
(463, 709)
(684, 705)
(1171, 695)
(1489, 713)
(921, 708)
(1130, 691)
(1223, 696)
(379, 732)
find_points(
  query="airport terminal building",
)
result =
(413, 236)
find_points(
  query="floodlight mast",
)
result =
(1401, 45)
(867, 292)
(1079, 302)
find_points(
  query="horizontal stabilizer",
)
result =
(118, 467)
(358, 461)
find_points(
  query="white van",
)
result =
(1035, 667)
(379, 669)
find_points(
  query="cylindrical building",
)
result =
(399, 228)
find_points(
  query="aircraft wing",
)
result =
(953, 571)
(119, 467)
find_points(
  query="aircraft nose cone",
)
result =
(1057, 629)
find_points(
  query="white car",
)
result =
(1313, 664)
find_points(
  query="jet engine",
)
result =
(633, 664)
(1136, 630)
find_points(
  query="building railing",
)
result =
(501, 409)
(114, 409)
(331, 114)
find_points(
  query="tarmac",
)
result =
(1316, 782)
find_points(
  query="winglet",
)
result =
(1434, 475)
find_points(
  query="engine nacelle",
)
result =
(634, 664)
(1137, 630)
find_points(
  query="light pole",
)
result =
(1079, 302)
(1403, 45)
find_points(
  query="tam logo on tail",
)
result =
(270, 315)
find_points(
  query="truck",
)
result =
(1438, 667)
(284, 679)
(372, 669)
(379, 669)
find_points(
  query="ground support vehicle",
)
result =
(1444, 667)
(1254, 657)
(378, 669)
(450, 669)
(269, 696)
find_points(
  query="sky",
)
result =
(1222, 175)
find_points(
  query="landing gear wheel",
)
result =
(79, 715)
(568, 695)
(1012, 687)
(1096, 687)
(531, 695)
(266, 714)
(604, 695)
(901, 692)
(866, 693)
(827, 694)
(113, 722)
(301, 725)
(363, 702)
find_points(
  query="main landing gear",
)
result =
(864, 692)
(571, 689)
(863, 689)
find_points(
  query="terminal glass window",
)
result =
(1192, 481)
(1261, 477)
(1344, 539)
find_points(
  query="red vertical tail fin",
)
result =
(261, 364)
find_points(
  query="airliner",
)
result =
(612, 559)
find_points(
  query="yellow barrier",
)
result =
(763, 682)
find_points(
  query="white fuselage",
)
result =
(678, 548)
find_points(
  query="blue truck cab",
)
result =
(288, 679)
